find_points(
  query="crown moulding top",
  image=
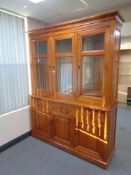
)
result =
(77, 22)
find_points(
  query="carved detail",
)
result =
(61, 109)
(92, 122)
(39, 104)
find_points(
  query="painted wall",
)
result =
(124, 69)
(14, 124)
(33, 24)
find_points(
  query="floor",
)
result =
(34, 157)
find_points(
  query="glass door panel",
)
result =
(64, 59)
(42, 73)
(42, 82)
(41, 47)
(64, 45)
(92, 76)
(64, 74)
(94, 42)
(91, 61)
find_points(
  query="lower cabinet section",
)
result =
(88, 133)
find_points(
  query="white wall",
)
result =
(124, 69)
(33, 24)
(17, 123)
(14, 124)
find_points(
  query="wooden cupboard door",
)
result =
(93, 65)
(41, 123)
(41, 66)
(65, 62)
(63, 130)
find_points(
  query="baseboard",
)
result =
(14, 141)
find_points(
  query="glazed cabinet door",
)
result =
(64, 60)
(93, 65)
(41, 67)
(41, 123)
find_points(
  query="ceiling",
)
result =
(54, 11)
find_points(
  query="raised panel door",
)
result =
(64, 128)
(41, 123)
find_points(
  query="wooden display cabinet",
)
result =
(74, 70)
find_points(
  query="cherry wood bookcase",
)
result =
(74, 69)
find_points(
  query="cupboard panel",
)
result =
(64, 128)
(42, 123)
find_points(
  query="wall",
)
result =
(14, 124)
(34, 24)
(124, 119)
(124, 69)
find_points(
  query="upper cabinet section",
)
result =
(77, 61)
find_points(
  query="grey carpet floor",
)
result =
(34, 157)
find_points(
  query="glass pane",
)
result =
(41, 47)
(42, 73)
(64, 45)
(92, 75)
(95, 42)
(64, 74)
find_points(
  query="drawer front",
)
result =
(39, 104)
(61, 109)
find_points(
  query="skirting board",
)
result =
(14, 141)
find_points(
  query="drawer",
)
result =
(39, 104)
(61, 109)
